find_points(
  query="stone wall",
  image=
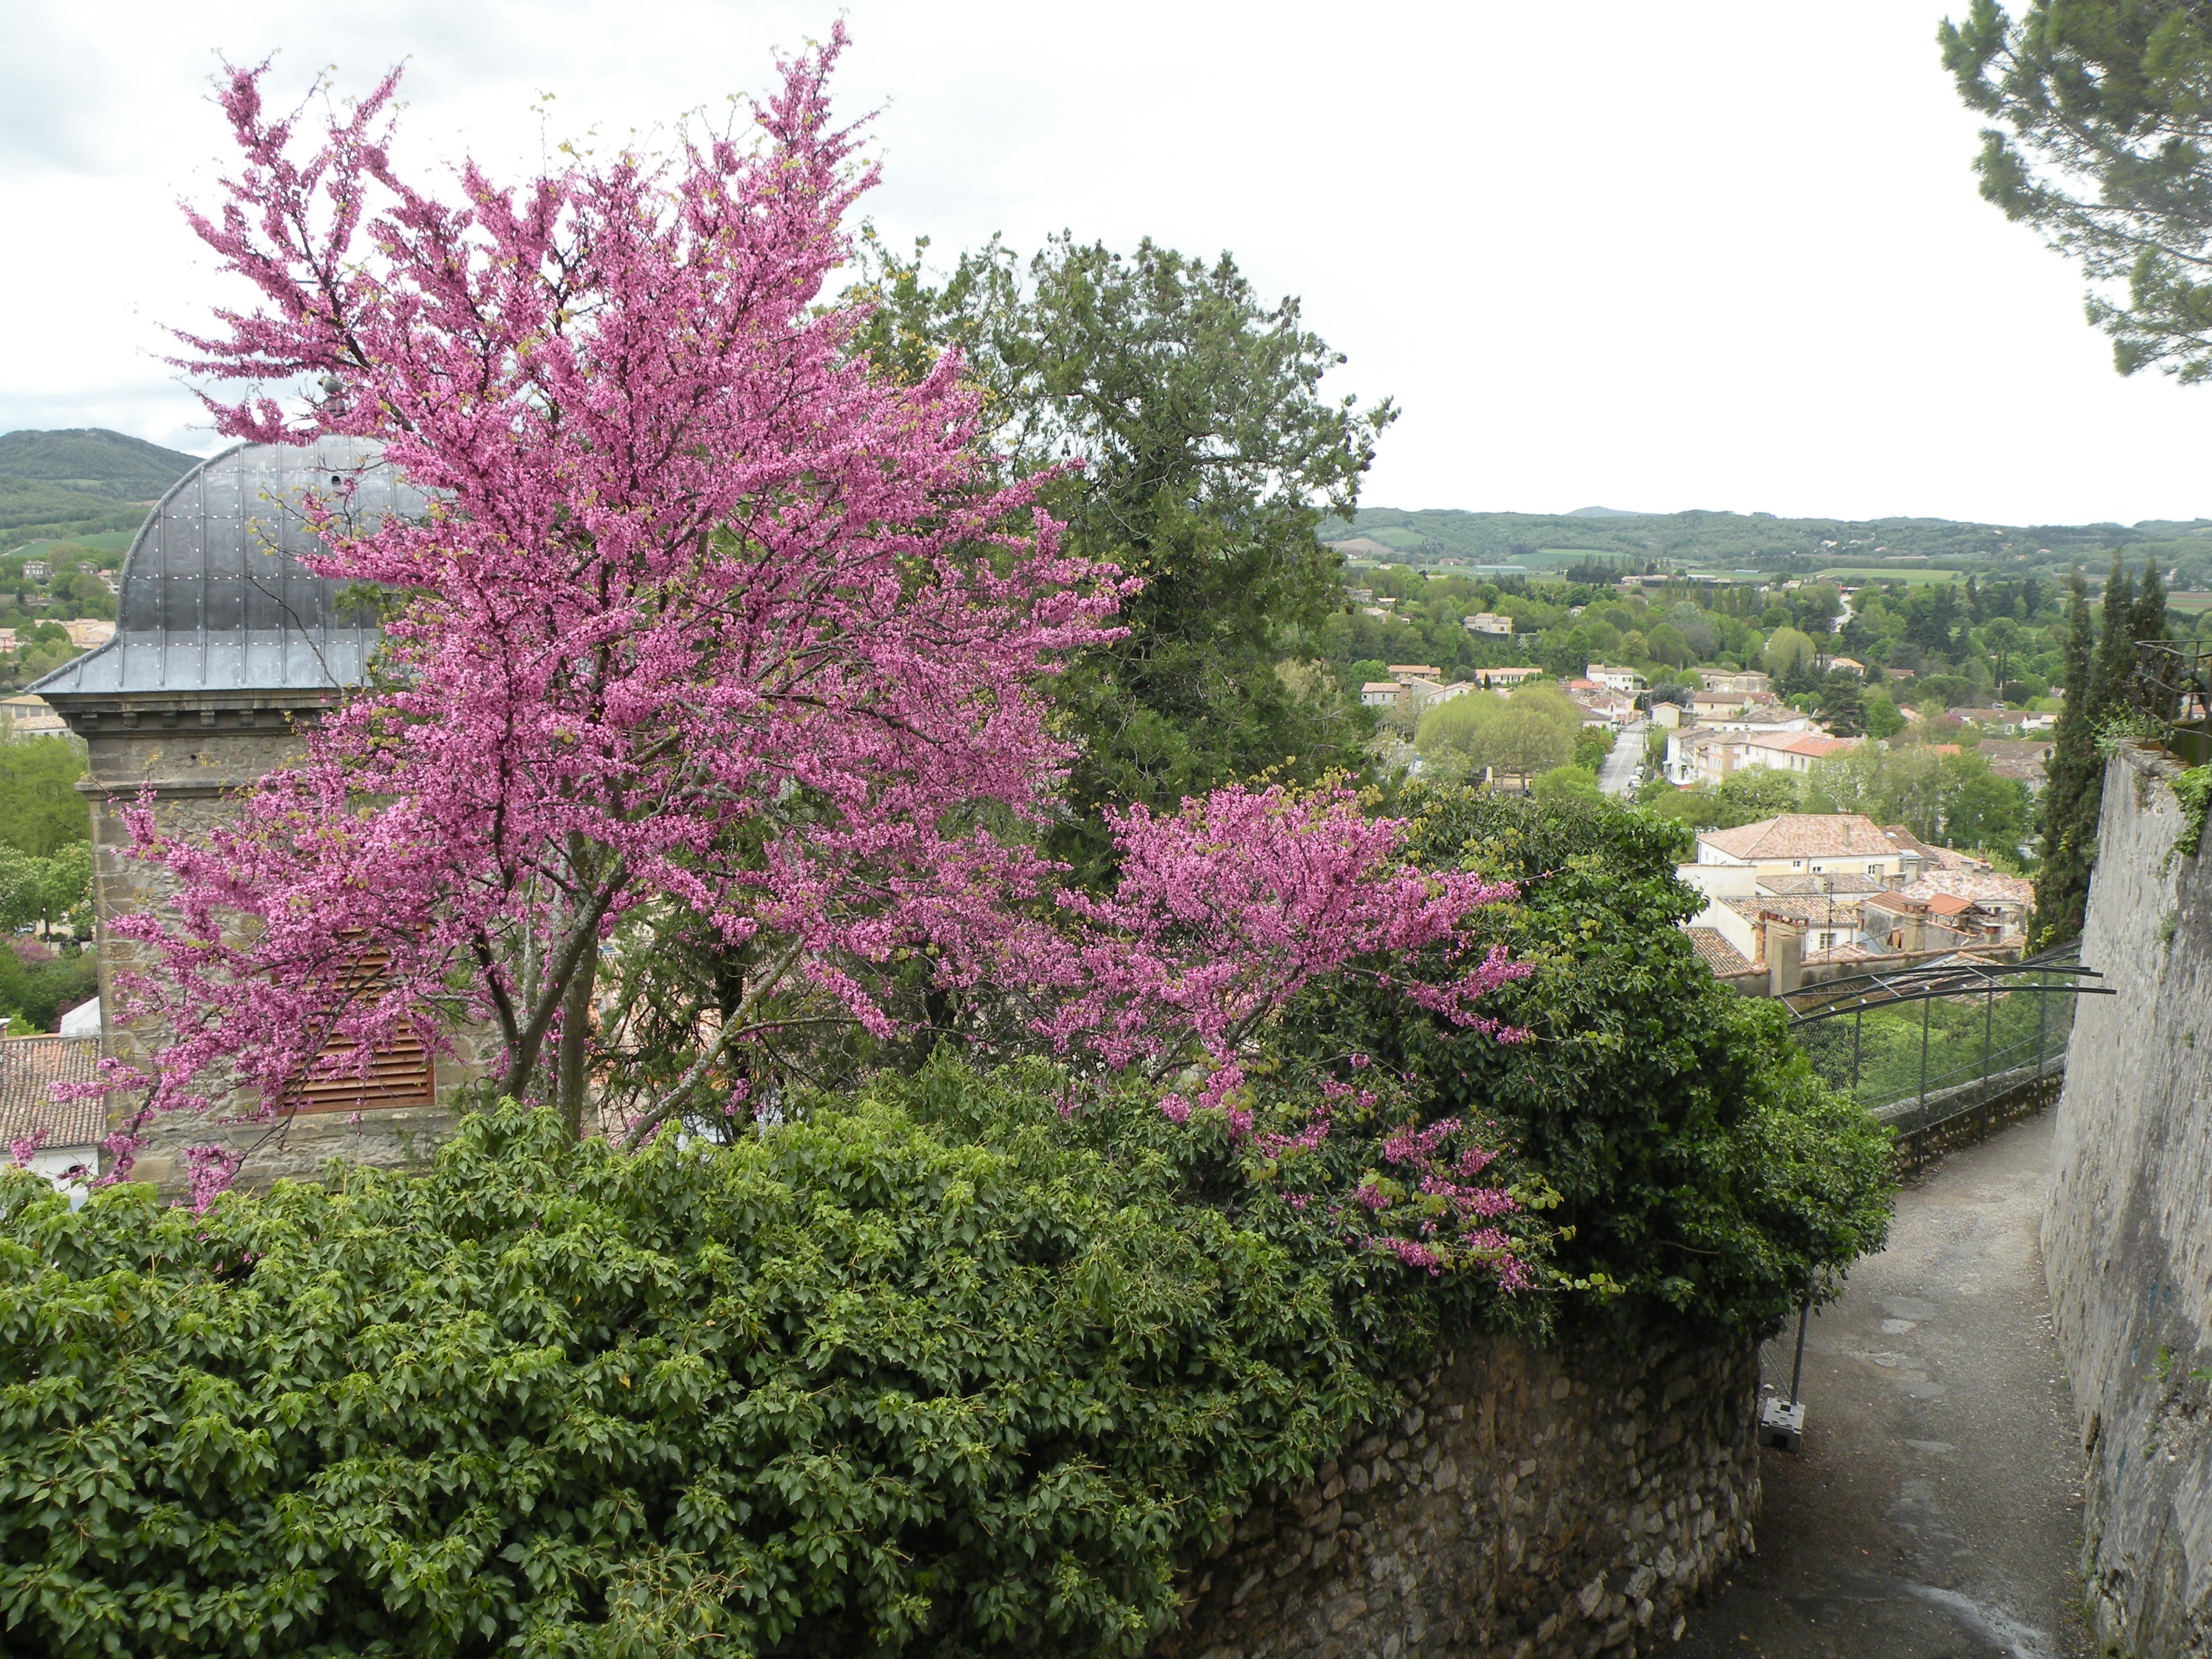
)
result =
(1530, 1503)
(2127, 1237)
(192, 761)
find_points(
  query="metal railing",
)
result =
(2171, 685)
(1948, 1050)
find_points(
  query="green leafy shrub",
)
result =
(858, 1386)
(1700, 1163)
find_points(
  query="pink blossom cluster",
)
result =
(707, 616)
(1225, 911)
(1427, 1209)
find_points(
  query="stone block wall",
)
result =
(2127, 1232)
(192, 761)
(1531, 1503)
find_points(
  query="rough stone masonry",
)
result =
(2127, 1237)
(1530, 1503)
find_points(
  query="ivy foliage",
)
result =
(855, 1386)
(1701, 1165)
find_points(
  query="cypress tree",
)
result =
(2116, 649)
(2074, 793)
(2149, 619)
(2149, 624)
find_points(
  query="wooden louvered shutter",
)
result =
(398, 1072)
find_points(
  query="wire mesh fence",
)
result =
(1944, 1054)
(1911, 1051)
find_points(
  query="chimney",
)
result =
(1785, 956)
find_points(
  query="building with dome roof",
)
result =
(224, 647)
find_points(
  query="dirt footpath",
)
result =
(1935, 1512)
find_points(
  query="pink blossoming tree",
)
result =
(710, 628)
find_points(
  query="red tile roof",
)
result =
(1801, 835)
(1719, 955)
(29, 1066)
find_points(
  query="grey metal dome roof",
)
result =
(213, 598)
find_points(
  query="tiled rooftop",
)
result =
(1720, 955)
(1800, 835)
(29, 1066)
(1840, 886)
(1813, 907)
(1981, 886)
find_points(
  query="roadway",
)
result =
(1616, 775)
(1935, 1511)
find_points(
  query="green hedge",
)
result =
(1701, 1164)
(938, 1370)
(852, 1388)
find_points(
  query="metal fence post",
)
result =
(2042, 1003)
(1989, 1012)
(1920, 1116)
(1858, 1024)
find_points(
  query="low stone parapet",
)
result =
(1530, 1503)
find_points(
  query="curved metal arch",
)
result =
(1941, 979)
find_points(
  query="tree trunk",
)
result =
(576, 1042)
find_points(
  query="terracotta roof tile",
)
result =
(1801, 835)
(1719, 955)
(1816, 909)
(29, 1066)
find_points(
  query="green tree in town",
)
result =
(1791, 657)
(1566, 783)
(2115, 644)
(40, 809)
(1201, 456)
(2100, 135)
(1531, 731)
(1842, 707)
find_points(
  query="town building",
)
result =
(1615, 679)
(1731, 863)
(61, 1139)
(23, 717)
(225, 645)
(1735, 680)
(1483, 621)
(1505, 679)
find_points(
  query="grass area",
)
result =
(2189, 604)
(110, 541)
(1863, 574)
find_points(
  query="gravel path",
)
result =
(1935, 1512)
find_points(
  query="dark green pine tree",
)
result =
(2150, 604)
(1843, 705)
(2116, 646)
(2150, 624)
(2074, 793)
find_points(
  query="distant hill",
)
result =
(79, 481)
(1760, 541)
(95, 460)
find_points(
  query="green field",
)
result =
(1859, 574)
(2189, 604)
(108, 541)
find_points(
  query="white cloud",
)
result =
(1727, 255)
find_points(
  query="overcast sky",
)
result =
(1705, 255)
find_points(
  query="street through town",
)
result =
(1617, 774)
(1935, 1512)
